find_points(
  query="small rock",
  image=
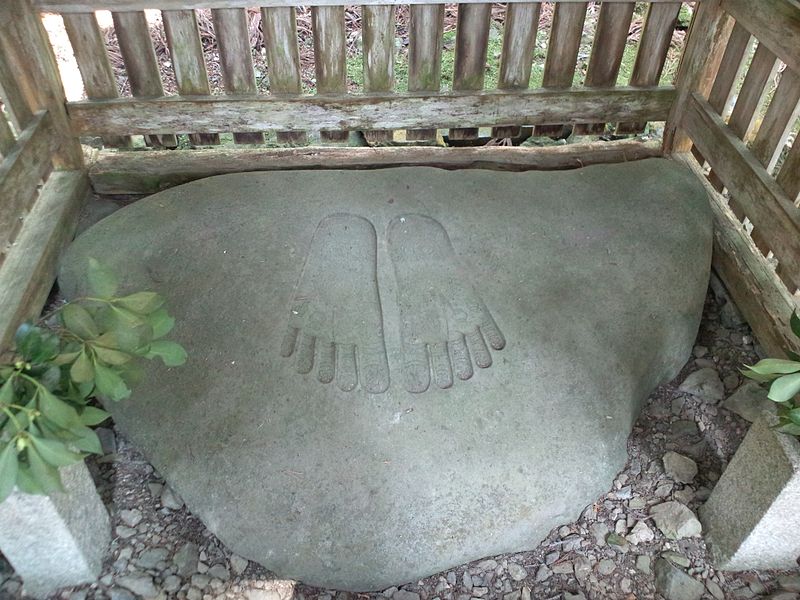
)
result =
(564, 531)
(699, 351)
(679, 560)
(583, 568)
(730, 316)
(479, 592)
(517, 572)
(131, 518)
(674, 584)
(731, 382)
(783, 595)
(186, 558)
(684, 428)
(606, 566)
(200, 580)
(543, 574)
(563, 568)
(704, 384)
(573, 542)
(549, 559)
(640, 534)
(405, 595)
(626, 585)
(575, 596)
(680, 468)
(388, 592)
(194, 594)
(124, 531)
(675, 520)
(643, 564)
(79, 595)
(486, 565)
(599, 532)
(714, 589)
(512, 595)
(525, 594)
(790, 583)
(684, 496)
(637, 503)
(466, 581)
(617, 542)
(151, 557)
(121, 594)
(170, 499)
(171, 584)
(239, 564)
(663, 490)
(155, 489)
(141, 585)
(219, 571)
(749, 401)
(108, 441)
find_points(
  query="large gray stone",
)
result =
(308, 429)
(751, 518)
(56, 540)
(675, 584)
(749, 401)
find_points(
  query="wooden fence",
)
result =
(755, 187)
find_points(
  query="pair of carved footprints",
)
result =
(335, 319)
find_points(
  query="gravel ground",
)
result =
(613, 550)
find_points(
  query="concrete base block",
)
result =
(751, 517)
(57, 540)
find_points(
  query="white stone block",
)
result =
(57, 540)
(751, 518)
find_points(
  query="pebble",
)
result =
(714, 589)
(563, 568)
(121, 594)
(790, 583)
(676, 559)
(186, 558)
(486, 565)
(782, 595)
(617, 542)
(583, 567)
(704, 384)
(124, 532)
(680, 468)
(151, 557)
(517, 572)
(131, 517)
(674, 584)
(200, 580)
(599, 532)
(640, 534)
(170, 499)
(219, 571)
(675, 520)
(239, 564)
(606, 566)
(141, 585)
(171, 584)
(643, 564)
(405, 595)
(575, 596)
(543, 574)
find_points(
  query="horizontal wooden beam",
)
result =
(81, 6)
(775, 23)
(29, 270)
(214, 114)
(752, 283)
(21, 172)
(127, 172)
(763, 201)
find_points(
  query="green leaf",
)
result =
(750, 374)
(110, 384)
(7, 392)
(91, 415)
(9, 466)
(161, 322)
(55, 409)
(171, 353)
(26, 482)
(110, 356)
(789, 428)
(78, 320)
(65, 358)
(82, 370)
(795, 323)
(793, 355)
(784, 388)
(770, 366)
(51, 377)
(87, 440)
(54, 452)
(142, 302)
(45, 475)
(794, 416)
(102, 280)
(35, 344)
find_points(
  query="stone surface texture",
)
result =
(675, 584)
(749, 401)
(675, 520)
(597, 301)
(752, 518)
(57, 540)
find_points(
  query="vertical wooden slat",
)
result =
(15, 101)
(652, 53)
(781, 115)
(562, 53)
(89, 49)
(283, 59)
(378, 27)
(730, 68)
(330, 56)
(472, 40)
(426, 28)
(789, 176)
(705, 45)
(30, 67)
(186, 53)
(610, 37)
(236, 60)
(141, 64)
(7, 140)
(519, 43)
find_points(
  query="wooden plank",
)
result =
(186, 55)
(29, 270)
(378, 29)
(25, 46)
(22, 171)
(562, 53)
(775, 23)
(516, 59)
(89, 49)
(330, 57)
(762, 199)
(789, 176)
(236, 61)
(479, 109)
(7, 139)
(708, 33)
(283, 59)
(730, 68)
(778, 121)
(141, 65)
(16, 102)
(748, 277)
(150, 172)
(610, 38)
(65, 6)
(472, 39)
(426, 28)
(652, 53)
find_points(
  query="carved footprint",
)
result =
(335, 318)
(444, 324)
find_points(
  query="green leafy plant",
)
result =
(783, 375)
(84, 349)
